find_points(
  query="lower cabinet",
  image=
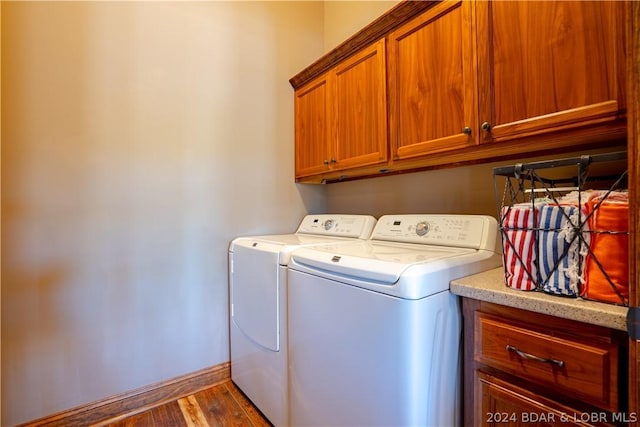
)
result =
(502, 403)
(525, 368)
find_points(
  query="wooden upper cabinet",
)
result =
(432, 82)
(450, 78)
(547, 66)
(341, 117)
(312, 128)
(360, 109)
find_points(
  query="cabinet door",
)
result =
(547, 66)
(360, 109)
(312, 128)
(505, 404)
(432, 82)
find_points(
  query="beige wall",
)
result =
(342, 19)
(139, 138)
(463, 190)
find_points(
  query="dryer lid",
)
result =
(281, 242)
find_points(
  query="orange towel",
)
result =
(607, 271)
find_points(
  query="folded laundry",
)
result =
(518, 234)
(607, 265)
(561, 238)
(562, 245)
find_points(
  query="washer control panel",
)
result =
(464, 231)
(422, 228)
(328, 224)
(357, 226)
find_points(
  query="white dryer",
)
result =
(258, 305)
(374, 333)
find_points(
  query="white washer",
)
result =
(374, 333)
(258, 315)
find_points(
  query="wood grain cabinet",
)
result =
(432, 83)
(467, 72)
(341, 116)
(468, 81)
(524, 368)
(503, 403)
(548, 66)
(312, 145)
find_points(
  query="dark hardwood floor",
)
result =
(221, 405)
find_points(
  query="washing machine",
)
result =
(258, 305)
(374, 333)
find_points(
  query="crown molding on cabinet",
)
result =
(379, 28)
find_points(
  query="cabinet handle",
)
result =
(486, 126)
(558, 363)
(466, 130)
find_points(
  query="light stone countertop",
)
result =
(489, 286)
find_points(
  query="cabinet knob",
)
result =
(466, 130)
(325, 161)
(333, 160)
(486, 126)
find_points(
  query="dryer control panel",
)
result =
(461, 231)
(354, 226)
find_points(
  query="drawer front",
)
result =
(579, 370)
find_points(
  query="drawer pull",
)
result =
(558, 363)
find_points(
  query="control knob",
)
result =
(328, 224)
(422, 228)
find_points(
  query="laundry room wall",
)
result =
(342, 19)
(138, 139)
(462, 190)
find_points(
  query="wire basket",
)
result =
(564, 226)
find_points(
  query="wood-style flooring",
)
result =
(221, 405)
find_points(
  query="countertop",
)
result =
(489, 286)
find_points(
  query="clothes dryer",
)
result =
(374, 333)
(258, 305)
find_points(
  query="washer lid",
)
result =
(379, 262)
(405, 271)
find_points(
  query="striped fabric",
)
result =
(518, 238)
(560, 251)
